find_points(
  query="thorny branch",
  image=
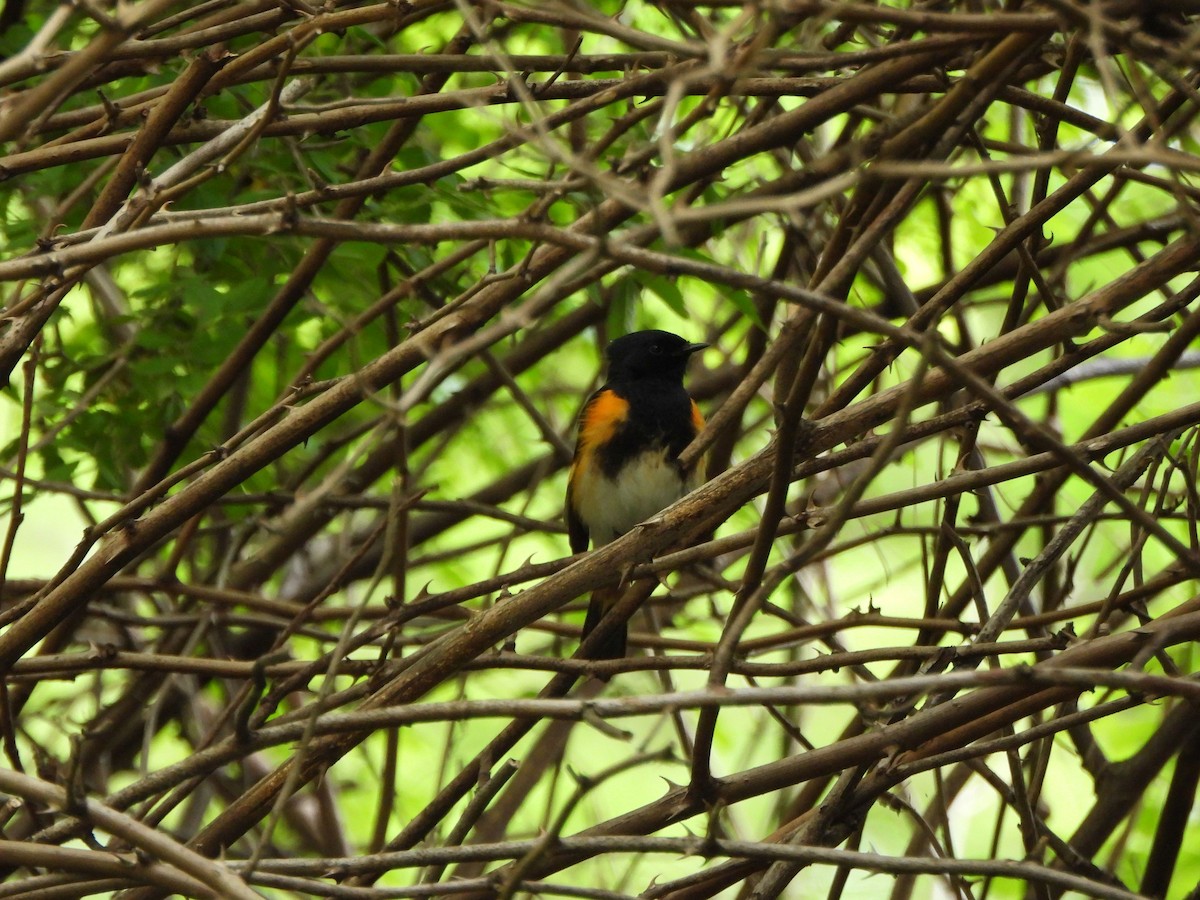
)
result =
(294, 296)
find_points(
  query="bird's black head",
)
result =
(649, 354)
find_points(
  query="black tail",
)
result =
(613, 646)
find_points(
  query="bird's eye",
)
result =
(656, 349)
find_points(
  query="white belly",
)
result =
(645, 486)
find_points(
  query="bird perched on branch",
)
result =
(626, 466)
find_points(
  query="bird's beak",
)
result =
(692, 348)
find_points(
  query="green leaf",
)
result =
(744, 304)
(623, 296)
(55, 468)
(664, 288)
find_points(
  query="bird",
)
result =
(626, 466)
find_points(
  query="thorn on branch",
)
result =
(288, 216)
(1062, 638)
(112, 112)
(105, 652)
(605, 727)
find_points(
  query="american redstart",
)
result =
(626, 466)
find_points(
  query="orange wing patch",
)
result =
(600, 419)
(697, 418)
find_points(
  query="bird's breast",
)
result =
(610, 504)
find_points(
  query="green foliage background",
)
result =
(167, 503)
